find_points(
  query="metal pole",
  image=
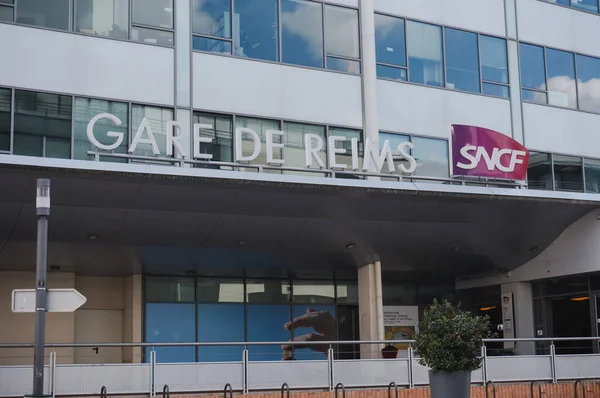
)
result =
(42, 213)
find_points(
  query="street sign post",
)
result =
(58, 300)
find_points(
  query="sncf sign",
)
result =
(480, 152)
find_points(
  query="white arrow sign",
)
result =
(57, 300)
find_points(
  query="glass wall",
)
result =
(548, 171)
(441, 57)
(431, 154)
(151, 22)
(245, 309)
(583, 5)
(5, 111)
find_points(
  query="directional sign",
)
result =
(57, 300)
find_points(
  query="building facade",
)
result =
(221, 167)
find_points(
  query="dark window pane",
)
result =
(574, 284)
(302, 32)
(7, 1)
(157, 120)
(388, 72)
(85, 110)
(157, 13)
(221, 133)
(152, 36)
(532, 66)
(586, 5)
(169, 290)
(389, 40)
(595, 285)
(462, 60)
(171, 323)
(592, 175)
(58, 148)
(496, 90)
(536, 97)
(568, 173)
(494, 65)
(341, 31)
(220, 290)
(256, 29)
(588, 73)
(347, 292)
(212, 17)
(5, 100)
(313, 292)
(539, 171)
(561, 2)
(48, 13)
(432, 157)
(343, 65)
(6, 14)
(560, 66)
(220, 323)
(211, 45)
(270, 291)
(39, 117)
(397, 293)
(425, 63)
(103, 18)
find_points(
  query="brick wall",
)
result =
(560, 390)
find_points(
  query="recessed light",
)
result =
(350, 246)
(54, 268)
(534, 249)
(92, 237)
(241, 243)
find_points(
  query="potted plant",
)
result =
(449, 343)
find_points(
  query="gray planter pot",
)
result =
(450, 384)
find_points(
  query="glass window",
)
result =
(53, 14)
(586, 5)
(493, 59)
(567, 285)
(5, 109)
(157, 120)
(294, 151)
(592, 175)
(539, 171)
(260, 127)
(267, 323)
(212, 17)
(313, 292)
(347, 145)
(396, 293)
(568, 173)
(220, 290)
(269, 291)
(343, 65)
(432, 157)
(256, 29)
(221, 133)
(560, 66)
(220, 323)
(151, 36)
(595, 285)
(395, 140)
(347, 292)
(495, 90)
(537, 97)
(6, 14)
(313, 320)
(171, 323)
(85, 110)
(532, 67)
(211, 45)
(388, 72)
(103, 18)
(561, 2)
(42, 124)
(462, 60)
(588, 73)
(424, 43)
(390, 44)
(302, 33)
(169, 290)
(157, 13)
(341, 31)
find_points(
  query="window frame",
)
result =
(583, 165)
(570, 7)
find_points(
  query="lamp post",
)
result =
(42, 211)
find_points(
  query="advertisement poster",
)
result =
(400, 323)
(508, 327)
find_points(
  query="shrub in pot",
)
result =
(449, 343)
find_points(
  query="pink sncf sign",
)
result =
(480, 152)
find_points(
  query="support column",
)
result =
(132, 318)
(183, 73)
(370, 309)
(522, 322)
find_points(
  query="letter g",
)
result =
(114, 134)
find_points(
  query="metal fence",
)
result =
(150, 376)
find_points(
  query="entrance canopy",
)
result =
(117, 223)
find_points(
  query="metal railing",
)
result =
(152, 376)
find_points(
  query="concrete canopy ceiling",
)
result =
(177, 225)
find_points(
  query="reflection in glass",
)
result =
(6, 14)
(399, 293)
(313, 292)
(213, 290)
(495, 90)
(5, 108)
(212, 17)
(221, 133)
(561, 2)
(568, 173)
(268, 291)
(157, 121)
(302, 32)
(343, 65)
(432, 157)
(395, 140)
(323, 320)
(586, 5)
(592, 175)
(256, 32)
(171, 323)
(341, 31)
(260, 127)
(347, 145)
(85, 110)
(560, 66)
(390, 43)
(494, 66)
(42, 119)
(48, 13)
(220, 323)
(211, 45)
(425, 63)
(588, 77)
(539, 171)
(267, 323)
(169, 290)
(537, 97)
(103, 18)
(151, 36)
(157, 13)
(294, 152)
(462, 60)
(388, 72)
(347, 292)
(532, 66)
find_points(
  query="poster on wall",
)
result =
(400, 323)
(508, 327)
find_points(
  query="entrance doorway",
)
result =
(348, 329)
(571, 318)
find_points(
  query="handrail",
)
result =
(285, 387)
(533, 383)
(343, 390)
(103, 393)
(579, 382)
(229, 388)
(166, 393)
(392, 384)
(487, 384)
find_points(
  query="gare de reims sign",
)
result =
(476, 151)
